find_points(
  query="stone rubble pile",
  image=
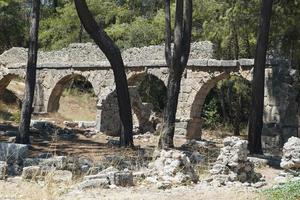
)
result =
(232, 165)
(291, 154)
(169, 168)
(107, 178)
(39, 168)
(290, 161)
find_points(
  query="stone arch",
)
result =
(194, 126)
(55, 95)
(110, 122)
(135, 76)
(6, 79)
(159, 90)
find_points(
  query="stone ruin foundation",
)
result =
(232, 165)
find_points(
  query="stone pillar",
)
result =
(194, 129)
(39, 98)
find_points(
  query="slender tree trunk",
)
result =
(177, 63)
(113, 54)
(256, 115)
(30, 80)
(248, 46)
(237, 121)
(222, 101)
(236, 42)
(55, 3)
(80, 33)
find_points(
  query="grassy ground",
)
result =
(288, 191)
(74, 105)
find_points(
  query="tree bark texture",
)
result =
(177, 61)
(30, 80)
(113, 55)
(256, 115)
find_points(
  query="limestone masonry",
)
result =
(56, 69)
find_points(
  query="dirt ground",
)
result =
(31, 191)
(95, 148)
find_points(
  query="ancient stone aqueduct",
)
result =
(56, 69)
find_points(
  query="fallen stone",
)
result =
(13, 153)
(113, 176)
(3, 170)
(70, 124)
(60, 176)
(123, 179)
(59, 162)
(258, 162)
(34, 173)
(93, 183)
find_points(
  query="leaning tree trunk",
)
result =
(256, 115)
(177, 62)
(24, 128)
(113, 55)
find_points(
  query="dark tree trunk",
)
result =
(177, 63)
(237, 121)
(30, 80)
(55, 3)
(113, 55)
(222, 101)
(80, 33)
(236, 43)
(256, 115)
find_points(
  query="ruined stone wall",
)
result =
(281, 112)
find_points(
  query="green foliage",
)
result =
(288, 191)
(13, 24)
(231, 25)
(210, 114)
(153, 90)
(16, 116)
(228, 104)
(127, 23)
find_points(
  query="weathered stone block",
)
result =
(13, 153)
(123, 179)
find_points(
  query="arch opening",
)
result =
(12, 89)
(223, 104)
(73, 98)
(147, 94)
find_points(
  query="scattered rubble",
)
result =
(291, 154)
(290, 161)
(232, 164)
(170, 168)
(106, 178)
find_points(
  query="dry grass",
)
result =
(78, 106)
